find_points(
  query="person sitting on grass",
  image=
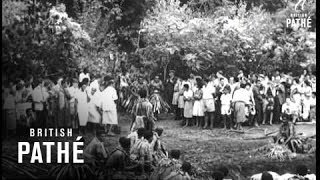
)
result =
(167, 165)
(286, 135)
(119, 164)
(182, 174)
(119, 159)
(135, 138)
(141, 151)
(158, 148)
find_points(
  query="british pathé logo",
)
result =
(301, 3)
(299, 18)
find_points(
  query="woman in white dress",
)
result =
(188, 104)
(198, 106)
(109, 106)
(95, 114)
(82, 99)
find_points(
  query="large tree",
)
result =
(231, 36)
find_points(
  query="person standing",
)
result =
(169, 90)
(82, 99)
(156, 88)
(240, 99)
(181, 101)
(95, 107)
(188, 104)
(175, 98)
(9, 108)
(198, 109)
(306, 96)
(109, 106)
(63, 97)
(143, 116)
(40, 96)
(72, 102)
(209, 103)
(258, 98)
(279, 100)
(226, 99)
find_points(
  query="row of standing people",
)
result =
(66, 103)
(257, 100)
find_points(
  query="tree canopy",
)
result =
(52, 37)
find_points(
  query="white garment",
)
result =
(306, 107)
(82, 107)
(208, 90)
(225, 104)
(311, 176)
(109, 107)
(275, 176)
(72, 91)
(95, 85)
(198, 106)
(313, 101)
(241, 95)
(94, 115)
(39, 95)
(286, 176)
(82, 76)
(109, 95)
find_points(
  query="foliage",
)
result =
(41, 39)
(253, 40)
(200, 34)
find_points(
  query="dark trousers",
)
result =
(259, 114)
(276, 110)
(226, 121)
(41, 118)
(218, 115)
(177, 112)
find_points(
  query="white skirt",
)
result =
(175, 98)
(180, 102)
(94, 115)
(198, 108)
(188, 109)
(110, 117)
(83, 114)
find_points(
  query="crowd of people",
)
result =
(210, 101)
(215, 100)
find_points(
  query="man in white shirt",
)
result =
(40, 96)
(209, 103)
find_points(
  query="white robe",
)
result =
(82, 107)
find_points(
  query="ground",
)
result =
(206, 150)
